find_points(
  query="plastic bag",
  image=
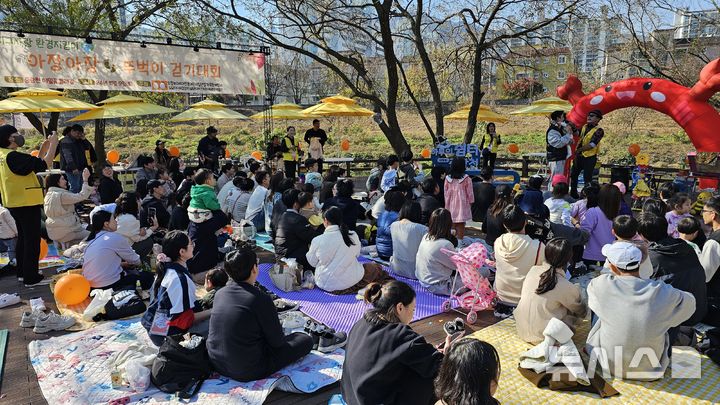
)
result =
(97, 305)
(137, 376)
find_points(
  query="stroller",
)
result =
(471, 263)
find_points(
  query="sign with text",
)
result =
(49, 61)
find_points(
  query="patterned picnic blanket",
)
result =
(75, 369)
(515, 389)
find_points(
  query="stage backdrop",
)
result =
(70, 63)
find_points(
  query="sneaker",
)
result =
(8, 299)
(360, 295)
(282, 305)
(42, 282)
(53, 321)
(37, 304)
(330, 341)
(29, 317)
(453, 327)
(503, 311)
(308, 280)
(311, 328)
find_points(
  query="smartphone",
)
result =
(151, 214)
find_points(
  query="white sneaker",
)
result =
(28, 318)
(37, 304)
(8, 299)
(53, 321)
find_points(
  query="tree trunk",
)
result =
(39, 125)
(429, 73)
(477, 95)
(393, 132)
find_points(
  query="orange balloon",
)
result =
(257, 155)
(35, 153)
(634, 149)
(425, 153)
(227, 153)
(113, 156)
(345, 145)
(174, 151)
(72, 289)
(513, 148)
(43, 249)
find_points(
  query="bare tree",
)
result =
(489, 27)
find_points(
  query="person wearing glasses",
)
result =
(710, 260)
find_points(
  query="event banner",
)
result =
(37, 60)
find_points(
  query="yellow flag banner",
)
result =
(52, 61)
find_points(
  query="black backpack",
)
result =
(124, 303)
(181, 370)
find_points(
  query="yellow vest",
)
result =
(586, 138)
(18, 191)
(294, 148)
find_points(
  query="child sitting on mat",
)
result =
(215, 279)
(308, 209)
(203, 199)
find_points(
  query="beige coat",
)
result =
(515, 254)
(63, 224)
(8, 228)
(535, 310)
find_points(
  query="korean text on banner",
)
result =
(71, 63)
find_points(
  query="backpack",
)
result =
(124, 303)
(181, 370)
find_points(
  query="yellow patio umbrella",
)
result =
(338, 106)
(39, 100)
(544, 107)
(122, 106)
(484, 114)
(283, 111)
(208, 110)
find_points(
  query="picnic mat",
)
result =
(515, 389)
(342, 311)
(75, 369)
(76, 311)
(264, 241)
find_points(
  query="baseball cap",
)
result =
(559, 178)
(624, 255)
(621, 186)
(158, 142)
(154, 184)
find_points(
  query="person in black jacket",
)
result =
(246, 341)
(675, 262)
(72, 156)
(154, 201)
(484, 192)
(386, 362)
(109, 187)
(428, 201)
(294, 233)
(351, 209)
(179, 219)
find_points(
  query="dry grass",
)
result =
(656, 134)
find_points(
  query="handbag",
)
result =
(181, 370)
(286, 274)
(123, 304)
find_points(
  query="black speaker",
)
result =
(621, 174)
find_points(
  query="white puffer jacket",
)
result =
(60, 210)
(336, 265)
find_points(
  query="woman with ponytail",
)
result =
(547, 294)
(105, 254)
(173, 307)
(386, 362)
(334, 255)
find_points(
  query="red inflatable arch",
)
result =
(689, 107)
